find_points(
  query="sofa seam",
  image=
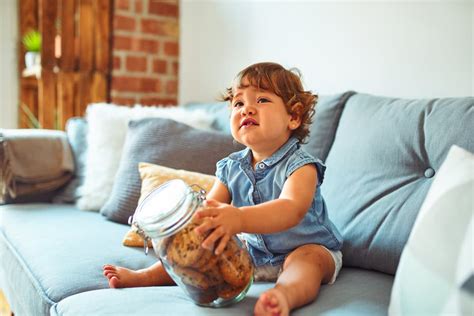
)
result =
(29, 273)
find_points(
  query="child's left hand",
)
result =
(223, 219)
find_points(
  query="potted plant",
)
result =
(32, 43)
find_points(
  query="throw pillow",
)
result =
(152, 177)
(107, 127)
(76, 131)
(436, 265)
(166, 143)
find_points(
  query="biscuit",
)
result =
(235, 265)
(227, 291)
(192, 277)
(202, 296)
(185, 248)
(207, 261)
(214, 276)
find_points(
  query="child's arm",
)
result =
(269, 217)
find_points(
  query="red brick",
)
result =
(117, 62)
(161, 8)
(148, 46)
(138, 6)
(122, 4)
(122, 42)
(123, 100)
(172, 87)
(136, 63)
(150, 85)
(172, 48)
(124, 23)
(125, 83)
(168, 28)
(159, 66)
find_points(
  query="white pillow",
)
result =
(107, 128)
(434, 276)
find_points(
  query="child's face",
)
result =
(259, 119)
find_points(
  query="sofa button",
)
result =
(429, 173)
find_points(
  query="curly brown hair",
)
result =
(284, 83)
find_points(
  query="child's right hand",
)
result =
(223, 219)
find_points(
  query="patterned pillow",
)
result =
(152, 177)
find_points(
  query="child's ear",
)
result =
(295, 120)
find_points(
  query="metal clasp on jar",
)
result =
(141, 233)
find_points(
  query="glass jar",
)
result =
(166, 217)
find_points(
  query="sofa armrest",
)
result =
(33, 163)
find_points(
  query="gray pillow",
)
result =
(167, 143)
(381, 164)
(76, 130)
(323, 129)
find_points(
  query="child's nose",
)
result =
(248, 109)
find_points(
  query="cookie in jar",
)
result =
(165, 217)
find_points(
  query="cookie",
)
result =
(235, 265)
(207, 261)
(202, 296)
(192, 277)
(185, 248)
(214, 276)
(227, 291)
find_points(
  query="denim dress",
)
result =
(249, 187)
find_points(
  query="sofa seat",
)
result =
(52, 258)
(52, 251)
(356, 292)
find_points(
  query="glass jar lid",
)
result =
(165, 209)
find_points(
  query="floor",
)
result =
(4, 309)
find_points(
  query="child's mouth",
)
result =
(248, 123)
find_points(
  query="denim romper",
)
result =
(251, 187)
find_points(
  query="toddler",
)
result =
(268, 193)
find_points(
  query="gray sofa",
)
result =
(381, 155)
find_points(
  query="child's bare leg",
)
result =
(304, 270)
(122, 277)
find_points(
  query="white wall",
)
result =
(8, 64)
(403, 49)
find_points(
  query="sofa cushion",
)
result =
(356, 292)
(167, 143)
(436, 271)
(76, 130)
(51, 251)
(380, 166)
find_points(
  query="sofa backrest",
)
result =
(382, 161)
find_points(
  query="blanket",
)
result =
(33, 162)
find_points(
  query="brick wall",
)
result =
(145, 52)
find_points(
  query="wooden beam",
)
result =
(86, 35)
(66, 89)
(102, 41)
(47, 21)
(68, 35)
(47, 99)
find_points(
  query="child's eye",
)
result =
(263, 100)
(238, 104)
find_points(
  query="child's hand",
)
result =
(223, 219)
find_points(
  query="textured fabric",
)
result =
(107, 128)
(433, 268)
(325, 123)
(167, 143)
(251, 187)
(22, 173)
(381, 165)
(219, 112)
(356, 292)
(51, 251)
(76, 130)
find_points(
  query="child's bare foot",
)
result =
(272, 302)
(122, 277)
